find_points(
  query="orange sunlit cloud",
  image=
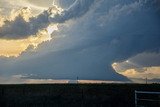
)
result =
(150, 72)
(14, 48)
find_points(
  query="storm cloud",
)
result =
(102, 32)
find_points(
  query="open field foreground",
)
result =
(76, 95)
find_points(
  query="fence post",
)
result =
(135, 98)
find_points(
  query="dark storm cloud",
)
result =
(110, 31)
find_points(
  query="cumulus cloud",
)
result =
(21, 24)
(77, 9)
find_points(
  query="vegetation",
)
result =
(73, 95)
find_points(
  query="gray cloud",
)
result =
(20, 28)
(147, 59)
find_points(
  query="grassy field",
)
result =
(73, 95)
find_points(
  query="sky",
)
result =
(45, 41)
